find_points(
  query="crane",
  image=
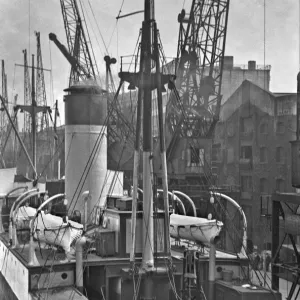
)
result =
(81, 57)
(27, 94)
(78, 41)
(193, 111)
(42, 121)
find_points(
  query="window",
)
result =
(263, 128)
(265, 205)
(280, 127)
(279, 155)
(279, 185)
(246, 152)
(246, 125)
(263, 185)
(246, 183)
(216, 152)
(263, 154)
(195, 157)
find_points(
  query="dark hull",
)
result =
(6, 292)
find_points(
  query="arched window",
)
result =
(263, 185)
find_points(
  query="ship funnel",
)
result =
(85, 147)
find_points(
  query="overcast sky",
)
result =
(245, 36)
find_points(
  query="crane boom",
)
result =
(76, 66)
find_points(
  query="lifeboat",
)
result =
(200, 230)
(48, 228)
(56, 231)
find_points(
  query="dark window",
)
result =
(280, 127)
(246, 183)
(279, 185)
(216, 152)
(263, 154)
(246, 152)
(197, 156)
(279, 154)
(246, 125)
(263, 185)
(264, 128)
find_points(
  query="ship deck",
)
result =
(50, 256)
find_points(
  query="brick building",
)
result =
(251, 149)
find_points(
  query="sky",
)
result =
(245, 37)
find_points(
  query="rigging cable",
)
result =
(120, 9)
(98, 27)
(29, 29)
(102, 53)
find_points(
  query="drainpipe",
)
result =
(85, 197)
(79, 263)
(14, 217)
(32, 257)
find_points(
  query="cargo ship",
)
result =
(105, 244)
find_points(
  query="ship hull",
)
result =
(6, 293)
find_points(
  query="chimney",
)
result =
(251, 65)
(228, 63)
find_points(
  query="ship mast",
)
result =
(147, 81)
(148, 237)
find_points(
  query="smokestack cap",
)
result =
(85, 89)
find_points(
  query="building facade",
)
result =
(251, 149)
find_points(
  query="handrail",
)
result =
(234, 203)
(189, 199)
